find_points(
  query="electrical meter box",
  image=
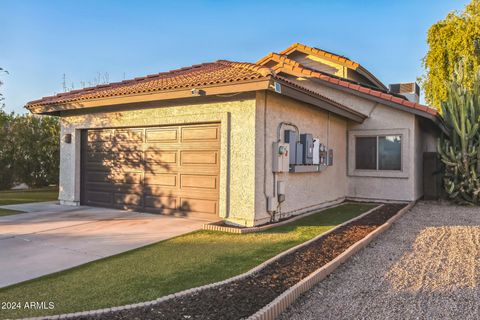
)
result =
(307, 140)
(316, 151)
(281, 157)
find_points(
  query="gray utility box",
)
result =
(330, 157)
(307, 141)
(296, 148)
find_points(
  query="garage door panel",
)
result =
(161, 179)
(99, 135)
(98, 157)
(115, 187)
(158, 169)
(128, 199)
(128, 157)
(208, 133)
(101, 197)
(198, 205)
(128, 135)
(97, 176)
(199, 157)
(198, 181)
(158, 157)
(118, 150)
(126, 177)
(161, 135)
(161, 202)
(99, 146)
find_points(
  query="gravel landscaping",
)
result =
(426, 267)
(243, 297)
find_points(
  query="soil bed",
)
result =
(242, 298)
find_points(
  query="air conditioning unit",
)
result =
(409, 90)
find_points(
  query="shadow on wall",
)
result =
(124, 170)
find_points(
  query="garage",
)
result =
(169, 170)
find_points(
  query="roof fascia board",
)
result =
(304, 96)
(348, 64)
(150, 97)
(367, 74)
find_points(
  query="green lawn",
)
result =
(6, 212)
(169, 266)
(25, 196)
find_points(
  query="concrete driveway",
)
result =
(52, 238)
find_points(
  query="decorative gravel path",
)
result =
(426, 267)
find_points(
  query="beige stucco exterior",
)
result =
(404, 185)
(237, 163)
(248, 129)
(304, 191)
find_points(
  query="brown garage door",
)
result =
(170, 170)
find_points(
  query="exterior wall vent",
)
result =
(410, 90)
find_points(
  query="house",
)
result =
(244, 142)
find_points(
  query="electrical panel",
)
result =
(290, 137)
(299, 153)
(281, 157)
(307, 141)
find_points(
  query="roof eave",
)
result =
(367, 74)
(347, 63)
(213, 90)
(316, 100)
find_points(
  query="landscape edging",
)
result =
(272, 310)
(207, 286)
(231, 229)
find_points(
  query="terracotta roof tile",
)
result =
(206, 74)
(324, 53)
(219, 72)
(353, 86)
(386, 96)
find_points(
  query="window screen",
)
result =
(390, 153)
(366, 153)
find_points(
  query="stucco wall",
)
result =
(237, 172)
(399, 186)
(304, 191)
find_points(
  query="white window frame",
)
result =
(405, 165)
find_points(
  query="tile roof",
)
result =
(221, 72)
(289, 64)
(201, 75)
(335, 57)
(315, 51)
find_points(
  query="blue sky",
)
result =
(42, 40)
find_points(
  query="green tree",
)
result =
(37, 150)
(452, 41)
(6, 150)
(460, 151)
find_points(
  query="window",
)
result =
(378, 153)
